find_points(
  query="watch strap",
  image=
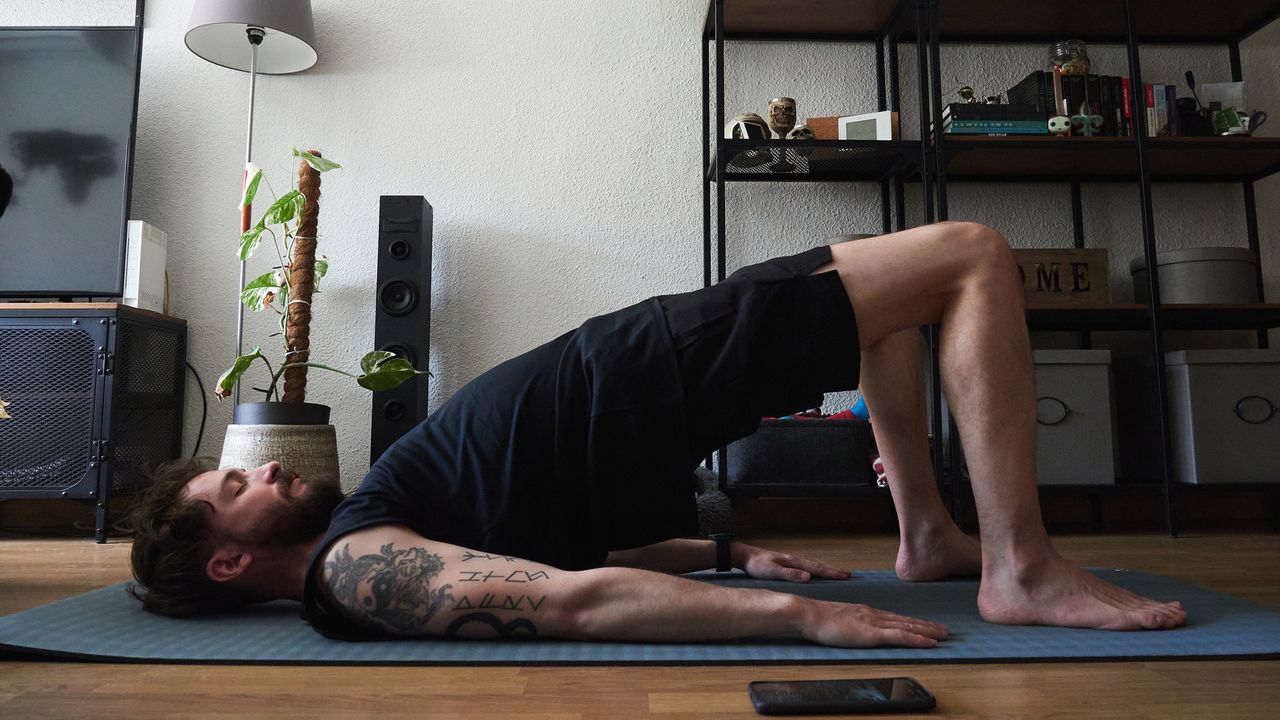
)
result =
(724, 559)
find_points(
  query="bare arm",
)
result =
(392, 579)
(683, 555)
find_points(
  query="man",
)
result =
(539, 500)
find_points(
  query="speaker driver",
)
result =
(399, 249)
(401, 351)
(397, 297)
(393, 410)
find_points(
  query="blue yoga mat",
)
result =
(108, 625)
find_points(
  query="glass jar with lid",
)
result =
(1071, 57)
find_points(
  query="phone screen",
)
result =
(796, 697)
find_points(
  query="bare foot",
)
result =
(1057, 592)
(936, 554)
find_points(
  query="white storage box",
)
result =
(1224, 408)
(1074, 418)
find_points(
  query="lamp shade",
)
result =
(217, 33)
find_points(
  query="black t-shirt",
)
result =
(573, 449)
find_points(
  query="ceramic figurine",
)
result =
(801, 132)
(782, 116)
(1086, 122)
(1060, 125)
(747, 126)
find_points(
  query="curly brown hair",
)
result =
(172, 543)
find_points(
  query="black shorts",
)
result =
(767, 341)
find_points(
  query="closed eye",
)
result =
(241, 489)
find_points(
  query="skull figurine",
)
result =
(782, 115)
(1060, 125)
(802, 132)
(747, 126)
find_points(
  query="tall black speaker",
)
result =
(402, 324)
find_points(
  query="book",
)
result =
(979, 111)
(991, 124)
(1150, 103)
(1035, 90)
(998, 131)
(1126, 101)
(1093, 96)
(1117, 105)
(1162, 112)
(1073, 87)
(1171, 109)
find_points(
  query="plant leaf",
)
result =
(249, 240)
(232, 375)
(251, 189)
(255, 293)
(316, 162)
(388, 374)
(284, 209)
(322, 267)
(371, 360)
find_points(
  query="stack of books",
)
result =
(979, 119)
(1104, 95)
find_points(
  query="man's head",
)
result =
(209, 540)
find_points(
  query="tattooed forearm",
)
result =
(490, 601)
(518, 629)
(517, 576)
(468, 555)
(391, 590)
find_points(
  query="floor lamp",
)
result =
(274, 37)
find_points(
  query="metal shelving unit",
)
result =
(935, 160)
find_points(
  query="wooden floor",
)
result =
(33, 572)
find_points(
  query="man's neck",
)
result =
(283, 574)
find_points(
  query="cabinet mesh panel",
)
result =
(147, 390)
(47, 376)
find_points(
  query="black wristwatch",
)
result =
(724, 559)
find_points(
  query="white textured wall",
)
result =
(557, 142)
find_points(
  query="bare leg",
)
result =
(931, 547)
(962, 275)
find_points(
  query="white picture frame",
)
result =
(881, 125)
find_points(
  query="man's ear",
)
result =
(227, 563)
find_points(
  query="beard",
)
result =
(300, 518)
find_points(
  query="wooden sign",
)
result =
(1064, 277)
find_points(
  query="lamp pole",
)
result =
(255, 35)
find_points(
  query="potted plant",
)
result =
(284, 426)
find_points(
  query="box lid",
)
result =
(1205, 254)
(1221, 357)
(1073, 357)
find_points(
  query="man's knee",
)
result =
(987, 249)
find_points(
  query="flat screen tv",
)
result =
(68, 104)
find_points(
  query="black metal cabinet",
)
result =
(95, 394)
(936, 160)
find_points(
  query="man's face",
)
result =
(265, 506)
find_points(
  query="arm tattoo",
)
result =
(391, 590)
(518, 629)
(468, 555)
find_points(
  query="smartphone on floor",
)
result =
(833, 697)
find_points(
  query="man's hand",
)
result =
(769, 565)
(848, 625)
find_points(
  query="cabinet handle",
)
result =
(1058, 407)
(1261, 402)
